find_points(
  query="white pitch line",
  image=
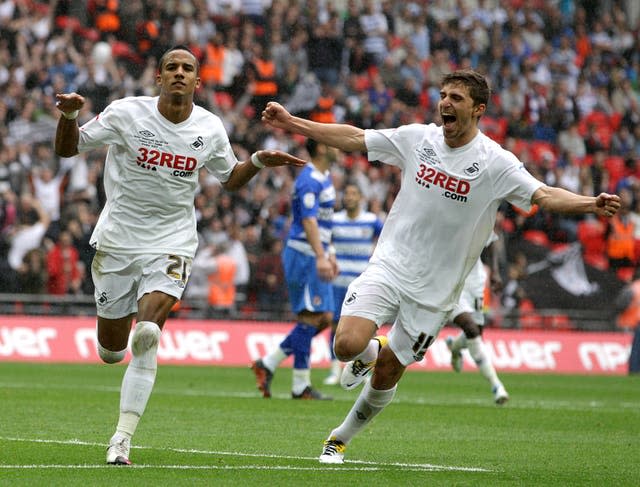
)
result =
(209, 467)
(369, 465)
(514, 403)
(420, 400)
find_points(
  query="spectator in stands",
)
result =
(237, 251)
(324, 50)
(64, 268)
(599, 174)
(269, 278)
(623, 142)
(33, 31)
(8, 276)
(571, 142)
(30, 230)
(32, 272)
(48, 187)
(352, 30)
(375, 28)
(80, 226)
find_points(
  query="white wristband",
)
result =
(71, 115)
(255, 160)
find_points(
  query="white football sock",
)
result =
(139, 377)
(369, 403)
(459, 342)
(370, 353)
(272, 360)
(336, 367)
(478, 352)
(301, 379)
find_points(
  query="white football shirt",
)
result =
(151, 174)
(476, 280)
(446, 208)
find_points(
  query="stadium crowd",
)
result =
(566, 100)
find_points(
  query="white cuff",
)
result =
(71, 115)
(255, 160)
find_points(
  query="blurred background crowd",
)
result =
(565, 76)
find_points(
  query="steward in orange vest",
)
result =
(211, 70)
(222, 290)
(621, 247)
(106, 15)
(628, 305)
(630, 316)
(323, 111)
(265, 86)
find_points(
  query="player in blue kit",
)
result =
(309, 269)
(355, 232)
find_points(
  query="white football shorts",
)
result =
(470, 302)
(372, 296)
(121, 280)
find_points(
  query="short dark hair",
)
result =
(178, 47)
(354, 184)
(312, 147)
(478, 87)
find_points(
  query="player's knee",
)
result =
(145, 337)
(347, 346)
(471, 330)
(109, 356)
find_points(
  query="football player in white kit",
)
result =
(468, 314)
(453, 180)
(145, 237)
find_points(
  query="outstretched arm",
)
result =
(67, 132)
(560, 200)
(345, 137)
(243, 172)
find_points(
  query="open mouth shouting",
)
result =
(448, 120)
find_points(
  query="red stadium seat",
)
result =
(597, 118)
(617, 170)
(540, 149)
(494, 128)
(615, 119)
(529, 319)
(625, 274)
(591, 234)
(537, 237)
(558, 322)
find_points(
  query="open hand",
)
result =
(274, 158)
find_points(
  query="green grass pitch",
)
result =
(210, 426)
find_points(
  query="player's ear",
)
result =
(158, 79)
(198, 82)
(479, 109)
